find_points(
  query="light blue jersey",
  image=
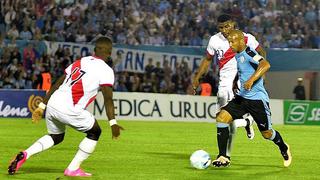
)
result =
(247, 62)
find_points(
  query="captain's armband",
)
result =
(258, 58)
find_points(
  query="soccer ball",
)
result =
(200, 159)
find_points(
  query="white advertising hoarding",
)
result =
(159, 107)
(168, 107)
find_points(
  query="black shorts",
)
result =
(258, 109)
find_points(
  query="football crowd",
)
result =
(276, 24)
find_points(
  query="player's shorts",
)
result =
(258, 109)
(56, 121)
(224, 96)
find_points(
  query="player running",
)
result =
(65, 105)
(252, 98)
(219, 45)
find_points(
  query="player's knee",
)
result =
(57, 138)
(267, 134)
(94, 133)
(224, 117)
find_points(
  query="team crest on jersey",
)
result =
(241, 59)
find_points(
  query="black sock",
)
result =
(222, 137)
(279, 142)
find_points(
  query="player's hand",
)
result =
(248, 85)
(116, 131)
(195, 84)
(37, 115)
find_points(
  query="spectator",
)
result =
(149, 68)
(13, 32)
(158, 70)
(299, 90)
(135, 82)
(25, 34)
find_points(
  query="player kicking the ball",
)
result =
(219, 45)
(65, 105)
(252, 98)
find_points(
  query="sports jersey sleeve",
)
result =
(106, 76)
(252, 42)
(210, 48)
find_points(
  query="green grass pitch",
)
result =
(161, 150)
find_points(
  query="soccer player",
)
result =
(65, 104)
(219, 45)
(252, 98)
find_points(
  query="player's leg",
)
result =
(261, 112)
(284, 148)
(224, 96)
(231, 111)
(87, 146)
(56, 134)
(247, 123)
(223, 120)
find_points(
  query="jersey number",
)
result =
(76, 75)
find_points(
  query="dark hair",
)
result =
(224, 17)
(103, 39)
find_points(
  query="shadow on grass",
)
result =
(169, 155)
(256, 165)
(35, 170)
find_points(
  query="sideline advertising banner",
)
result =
(302, 112)
(157, 107)
(168, 107)
(19, 103)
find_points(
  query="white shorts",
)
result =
(57, 121)
(224, 96)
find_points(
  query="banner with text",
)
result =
(302, 112)
(162, 107)
(19, 103)
(168, 107)
(135, 58)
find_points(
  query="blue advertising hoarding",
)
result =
(19, 103)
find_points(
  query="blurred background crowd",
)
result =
(275, 23)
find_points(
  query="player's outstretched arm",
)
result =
(263, 67)
(37, 113)
(109, 106)
(204, 65)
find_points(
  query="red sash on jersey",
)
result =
(228, 55)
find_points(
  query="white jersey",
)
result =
(219, 45)
(81, 85)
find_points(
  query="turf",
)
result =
(161, 150)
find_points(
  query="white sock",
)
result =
(42, 144)
(86, 147)
(239, 123)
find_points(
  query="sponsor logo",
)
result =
(241, 59)
(33, 102)
(297, 113)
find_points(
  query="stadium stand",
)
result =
(276, 24)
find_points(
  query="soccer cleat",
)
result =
(78, 172)
(17, 162)
(287, 158)
(249, 128)
(221, 161)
